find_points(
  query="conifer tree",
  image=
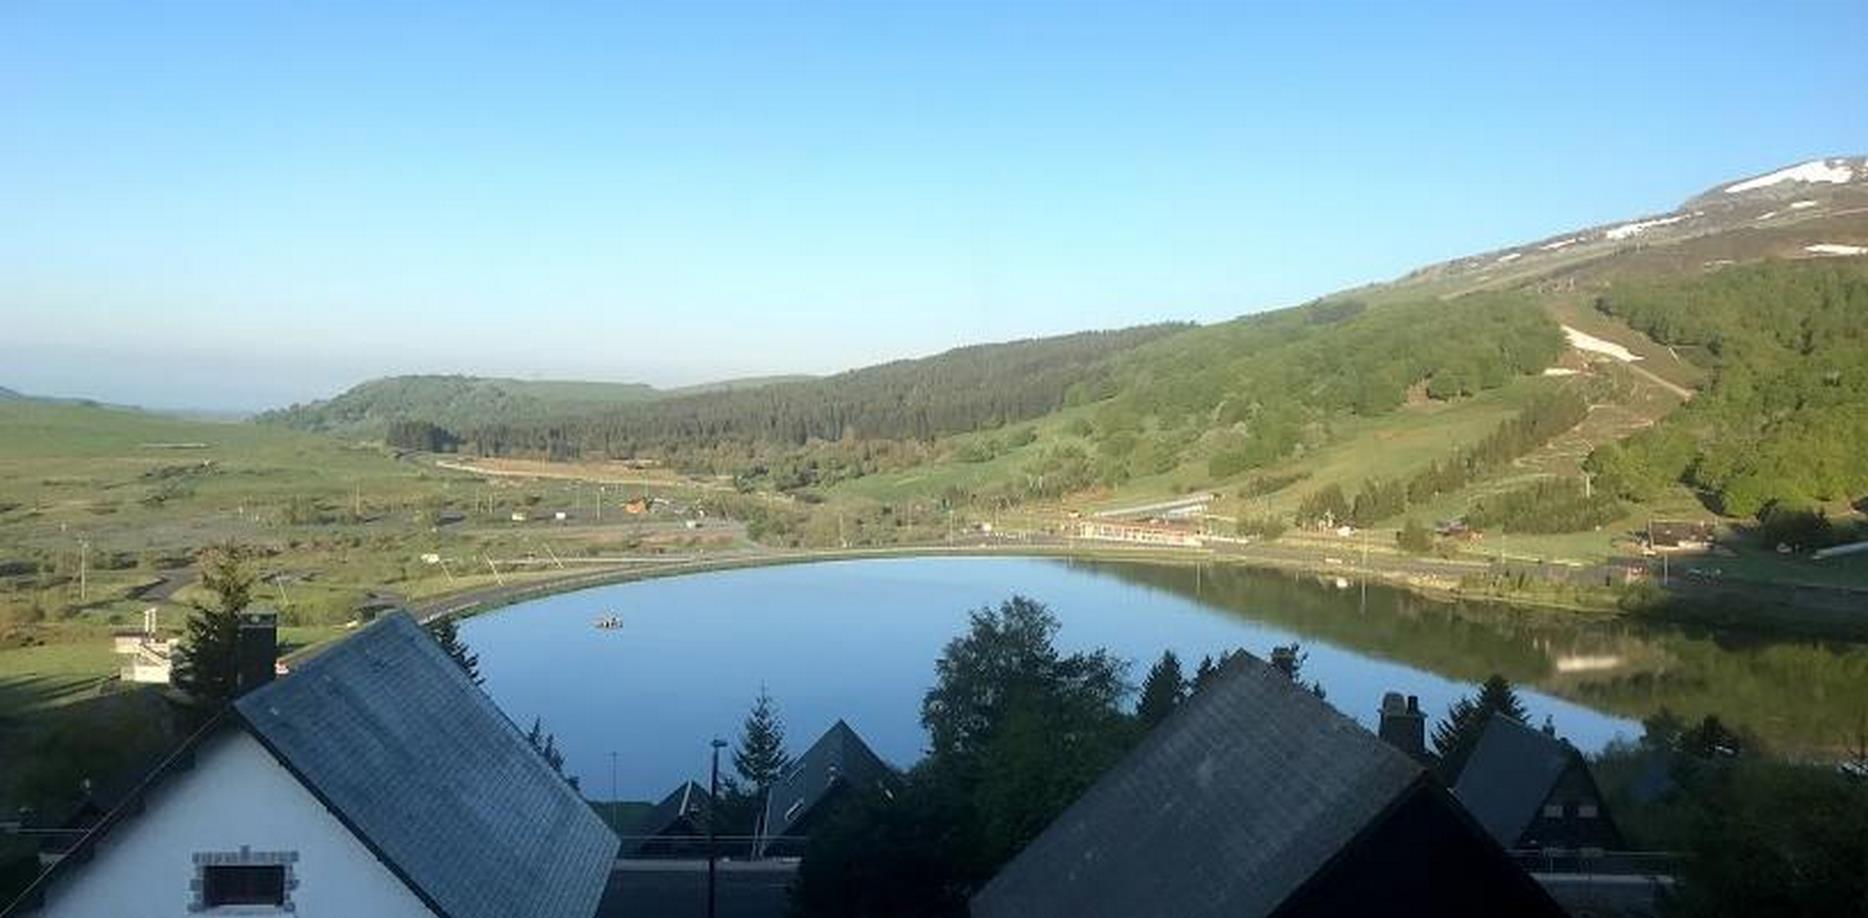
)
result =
(447, 634)
(1162, 691)
(207, 662)
(761, 758)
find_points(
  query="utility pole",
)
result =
(713, 856)
(613, 781)
(84, 556)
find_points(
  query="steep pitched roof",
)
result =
(1509, 774)
(391, 736)
(1229, 807)
(838, 757)
(690, 800)
(407, 751)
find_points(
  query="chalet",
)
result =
(376, 780)
(838, 762)
(1533, 792)
(676, 827)
(1256, 798)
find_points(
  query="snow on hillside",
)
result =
(1816, 170)
(1836, 248)
(1626, 230)
(1583, 341)
(1799, 205)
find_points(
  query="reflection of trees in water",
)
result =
(1796, 696)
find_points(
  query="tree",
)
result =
(1162, 691)
(1414, 538)
(447, 634)
(547, 746)
(761, 758)
(207, 662)
(1289, 659)
(1454, 737)
(1007, 654)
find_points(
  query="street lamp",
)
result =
(713, 802)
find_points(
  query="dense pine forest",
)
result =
(1782, 425)
(966, 389)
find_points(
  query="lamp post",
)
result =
(713, 800)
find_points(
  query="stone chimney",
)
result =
(1403, 726)
(257, 650)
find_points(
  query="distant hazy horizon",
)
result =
(243, 206)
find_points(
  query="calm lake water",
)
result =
(857, 640)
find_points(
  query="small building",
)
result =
(1255, 798)
(837, 763)
(1138, 533)
(518, 516)
(1679, 535)
(1533, 792)
(375, 780)
(148, 657)
(636, 506)
(675, 828)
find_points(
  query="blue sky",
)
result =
(242, 204)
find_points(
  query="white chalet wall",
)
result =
(237, 794)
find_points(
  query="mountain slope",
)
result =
(1796, 212)
(367, 410)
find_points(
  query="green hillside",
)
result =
(454, 402)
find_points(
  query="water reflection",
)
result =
(858, 640)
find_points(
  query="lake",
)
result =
(857, 640)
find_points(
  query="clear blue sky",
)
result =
(239, 204)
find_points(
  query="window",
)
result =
(1553, 811)
(243, 884)
(1586, 811)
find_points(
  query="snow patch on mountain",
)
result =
(1638, 227)
(1583, 341)
(1816, 170)
(1835, 248)
(1799, 205)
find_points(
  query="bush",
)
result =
(1264, 527)
(1414, 538)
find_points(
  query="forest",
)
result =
(962, 390)
(1781, 426)
(1246, 393)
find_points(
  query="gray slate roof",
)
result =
(420, 764)
(1226, 808)
(689, 800)
(838, 757)
(1509, 775)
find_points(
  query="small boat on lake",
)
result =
(609, 622)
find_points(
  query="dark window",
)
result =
(243, 884)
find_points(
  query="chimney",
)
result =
(1403, 726)
(258, 650)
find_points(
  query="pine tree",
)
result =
(447, 634)
(761, 759)
(1162, 691)
(207, 662)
